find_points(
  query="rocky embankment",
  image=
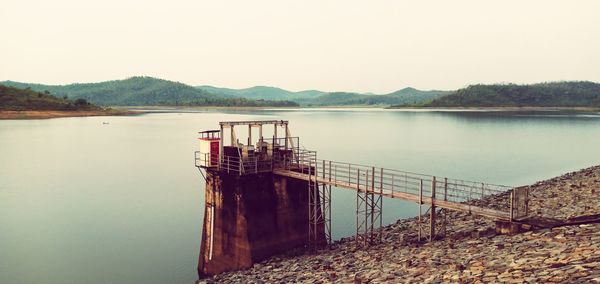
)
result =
(471, 252)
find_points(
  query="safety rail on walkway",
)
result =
(275, 154)
(421, 188)
(390, 181)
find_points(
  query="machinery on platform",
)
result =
(259, 154)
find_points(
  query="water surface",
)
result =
(87, 202)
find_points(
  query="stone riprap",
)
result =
(471, 252)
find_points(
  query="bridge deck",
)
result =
(347, 183)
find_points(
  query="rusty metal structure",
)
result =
(283, 156)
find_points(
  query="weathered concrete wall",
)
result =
(255, 216)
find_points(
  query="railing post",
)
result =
(470, 195)
(323, 169)
(432, 211)
(349, 174)
(445, 189)
(393, 185)
(366, 207)
(335, 176)
(444, 222)
(420, 208)
(512, 192)
(371, 237)
(381, 207)
(357, 202)
(482, 189)
(310, 210)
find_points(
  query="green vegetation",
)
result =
(145, 91)
(404, 96)
(553, 94)
(319, 98)
(16, 99)
(264, 93)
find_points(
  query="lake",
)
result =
(86, 202)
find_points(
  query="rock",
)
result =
(561, 254)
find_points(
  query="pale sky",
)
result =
(363, 46)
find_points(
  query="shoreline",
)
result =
(48, 114)
(471, 252)
(380, 107)
(502, 109)
(137, 110)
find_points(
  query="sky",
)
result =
(362, 46)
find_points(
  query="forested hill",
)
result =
(554, 94)
(144, 91)
(404, 96)
(263, 93)
(16, 99)
(148, 91)
(320, 98)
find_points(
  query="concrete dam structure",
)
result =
(269, 196)
(250, 212)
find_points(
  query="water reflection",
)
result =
(83, 201)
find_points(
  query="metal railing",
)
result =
(393, 183)
(383, 181)
(280, 152)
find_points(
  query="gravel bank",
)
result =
(471, 253)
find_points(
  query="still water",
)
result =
(87, 202)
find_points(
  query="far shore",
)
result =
(135, 110)
(525, 108)
(45, 114)
(499, 109)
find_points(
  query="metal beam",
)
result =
(456, 206)
(253, 122)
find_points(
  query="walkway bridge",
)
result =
(434, 195)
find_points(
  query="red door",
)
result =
(214, 153)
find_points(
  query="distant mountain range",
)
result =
(148, 91)
(320, 98)
(263, 93)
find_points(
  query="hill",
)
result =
(404, 96)
(320, 98)
(263, 92)
(145, 91)
(148, 91)
(553, 94)
(15, 99)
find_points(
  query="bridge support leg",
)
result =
(319, 209)
(432, 212)
(361, 200)
(443, 210)
(420, 222)
(368, 210)
(326, 208)
(436, 227)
